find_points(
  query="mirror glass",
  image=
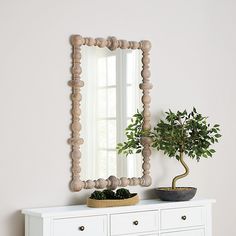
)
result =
(110, 97)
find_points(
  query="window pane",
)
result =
(102, 164)
(102, 103)
(111, 99)
(130, 72)
(106, 164)
(112, 168)
(134, 163)
(101, 70)
(111, 70)
(111, 134)
(131, 106)
(102, 134)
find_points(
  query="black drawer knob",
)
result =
(135, 222)
(81, 228)
(183, 217)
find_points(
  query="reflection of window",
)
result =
(106, 115)
(112, 97)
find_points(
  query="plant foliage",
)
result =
(109, 194)
(187, 133)
(123, 193)
(98, 195)
(179, 132)
(133, 133)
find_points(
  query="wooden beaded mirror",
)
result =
(108, 70)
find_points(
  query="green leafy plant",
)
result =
(98, 195)
(179, 134)
(185, 133)
(134, 134)
(123, 193)
(109, 194)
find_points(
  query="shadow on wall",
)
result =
(16, 219)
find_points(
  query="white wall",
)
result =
(192, 62)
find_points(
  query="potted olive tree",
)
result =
(178, 135)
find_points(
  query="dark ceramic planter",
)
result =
(178, 194)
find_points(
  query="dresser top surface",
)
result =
(77, 210)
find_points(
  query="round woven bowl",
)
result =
(177, 194)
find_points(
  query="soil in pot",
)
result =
(176, 194)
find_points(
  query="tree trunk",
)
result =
(184, 174)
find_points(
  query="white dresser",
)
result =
(149, 218)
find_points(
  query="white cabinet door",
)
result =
(199, 232)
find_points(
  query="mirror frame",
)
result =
(76, 141)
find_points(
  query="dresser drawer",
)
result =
(199, 232)
(84, 226)
(182, 217)
(136, 222)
